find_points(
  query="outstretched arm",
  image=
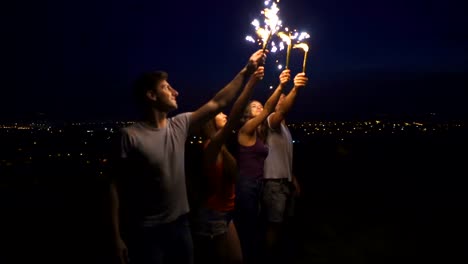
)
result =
(237, 111)
(227, 94)
(249, 127)
(279, 115)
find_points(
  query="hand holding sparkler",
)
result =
(259, 73)
(257, 59)
(285, 77)
(300, 80)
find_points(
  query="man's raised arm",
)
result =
(279, 115)
(235, 116)
(228, 93)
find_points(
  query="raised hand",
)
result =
(257, 59)
(300, 80)
(259, 73)
(285, 77)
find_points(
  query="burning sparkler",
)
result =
(270, 26)
(286, 38)
(272, 23)
(305, 48)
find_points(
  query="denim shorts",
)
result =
(278, 200)
(211, 223)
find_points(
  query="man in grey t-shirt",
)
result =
(148, 194)
(279, 181)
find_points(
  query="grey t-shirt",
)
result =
(154, 186)
(279, 162)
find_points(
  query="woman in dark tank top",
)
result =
(252, 153)
(252, 159)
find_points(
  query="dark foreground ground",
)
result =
(365, 200)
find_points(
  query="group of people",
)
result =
(149, 202)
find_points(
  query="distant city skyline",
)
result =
(327, 117)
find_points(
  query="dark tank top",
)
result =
(251, 160)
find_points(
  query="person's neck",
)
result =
(156, 118)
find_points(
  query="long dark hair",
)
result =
(229, 162)
(262, 129)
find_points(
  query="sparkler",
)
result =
(270, 27)
(305, 48)
(287, 39)
(271, 21)
(272, 24)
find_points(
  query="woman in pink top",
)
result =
(214, 232)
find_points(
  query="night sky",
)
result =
(76, 60)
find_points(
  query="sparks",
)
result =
(273, 47)
(271, 23)
(281, 46)
(250, 39)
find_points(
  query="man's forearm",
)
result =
(227, 94)
(273, 100)
(288, 101)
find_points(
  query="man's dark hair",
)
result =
(147, 81)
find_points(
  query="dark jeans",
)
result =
(246, 216)
(164, 243)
